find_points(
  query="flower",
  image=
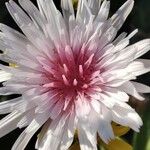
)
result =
(71, 72)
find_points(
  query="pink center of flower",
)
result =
(71, 73)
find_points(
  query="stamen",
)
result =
(65, 68)
(85, 86)
(95, 74)
(82, 52)
(75, 82)
(66, 82)
(89, 61)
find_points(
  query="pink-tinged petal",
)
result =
(82, 107)
(57, 109)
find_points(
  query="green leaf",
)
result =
(141, 140)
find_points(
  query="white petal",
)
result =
(83, 12)
(5, 91)
(108, 35)
(119, 38)
(27, 134)
(4, 76)
(132, 34)
(8, 106)
(108, 49)
(138, 67)
(123, 114)
(120, 16)
(117, 82)
(117, 94)
(105, 130)
(129, 88)
(121, 45)
(68, 10)
(53, 135)
(27, 26)
(56, 27)
(34, 13)
(118, 74)
(94, 6)
(9, 123)
(104, 125)
(42, 133)
(41, 7)
(27, 119)
(13, 34)
(87, 130)
(146, 62)
(103, 12)
(107, 100)
(68, 134)
(18, 14)
(96, 105)
(125, 55)
(141, 88)
(142, 47)
(84, 139)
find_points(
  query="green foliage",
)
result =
(141, 140)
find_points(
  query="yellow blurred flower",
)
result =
(75, 3)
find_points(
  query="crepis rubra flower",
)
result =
(71, 72)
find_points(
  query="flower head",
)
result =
(71, 71)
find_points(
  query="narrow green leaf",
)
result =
(141, 141)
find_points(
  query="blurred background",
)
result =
(139, 18)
